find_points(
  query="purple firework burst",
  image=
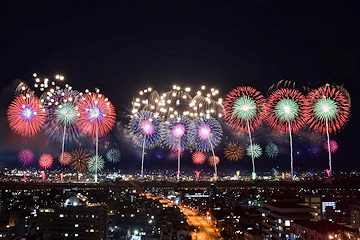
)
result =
(26, 157)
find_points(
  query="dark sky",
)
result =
(122, 47)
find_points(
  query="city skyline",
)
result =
(158, 49)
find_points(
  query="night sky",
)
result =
(123, 47)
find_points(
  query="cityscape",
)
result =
(179, 120)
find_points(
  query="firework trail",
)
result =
(207, 135)
(177, 133)
(145, 129)
(244, 111)
(96, 164)
(61, 117)
(329, 111)
(214, 161)
(96, 116)
(287, 111)
(333, 146)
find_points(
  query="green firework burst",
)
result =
(286, 110)
(325, 109)
(66, 114)
(96, 164)
(256, 149)
(244, 108)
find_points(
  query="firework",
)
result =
(333, 146)
(61, 115)
(147, 100)
(287, 111)
(287, 107)
(313, 151)
(145, 129)
(244, 108)
(328, 104)
(26, 157)
(198, 158)
(79, 159)
(159, 154)
(177, 133)
(26, 115)
(96, 114)
(203, 104)
(176, 151)
(234, 151)
(113, 155)
(207, 134)
(213, 162)
(300, 152)
(65, 158)
(256, 151)
(46, 161)
(175, 103)
(330, 109)
(95, 164)
(271, 150)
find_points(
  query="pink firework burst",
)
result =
(333, 146)
(212, 162)
(26, 157)
(198, 158)
(26, 115)
(174, 151)
(65, 158)
(95, 114)
(46, 161)
(244, 106)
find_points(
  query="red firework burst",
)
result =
(198, 158)
(211, 161)
(26, 115)
(65, 158)
(340, 100)
(286, 105)
(46, 161)
(244, 104)
(95, 112)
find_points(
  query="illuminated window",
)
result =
(61, 215)
(287, 223)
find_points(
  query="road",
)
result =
(204, 228)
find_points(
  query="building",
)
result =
(75, 218)
(355, 217)
(325, 230)
(315, 203)
(277, 218)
